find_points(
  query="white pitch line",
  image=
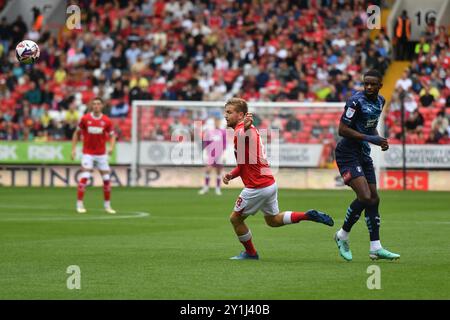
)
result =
(82, 217)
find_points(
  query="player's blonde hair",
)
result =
(239, 104)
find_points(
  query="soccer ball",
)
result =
(27, 52)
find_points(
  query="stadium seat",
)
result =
(87, 96)
(288, 136)
(324, 122)
(394, 141)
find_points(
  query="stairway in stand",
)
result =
(393, 73)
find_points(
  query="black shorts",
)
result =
(352, 166)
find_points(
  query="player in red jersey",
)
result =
(260, 192)
(96, 129)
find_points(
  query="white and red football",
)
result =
(27, 52)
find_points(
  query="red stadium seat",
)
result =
(324, 122)
(329, 116)
(420, 141)
(265, 123)
(315, 116)
(87, 96)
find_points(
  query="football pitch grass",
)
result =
(175, 244)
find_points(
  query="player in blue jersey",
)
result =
(358, 127)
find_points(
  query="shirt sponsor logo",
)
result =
(371, 123)
(95, 130)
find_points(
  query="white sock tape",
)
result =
(85, 174)
(287, 217)
(246, 236)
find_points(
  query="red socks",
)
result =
(81, 188)
(298, 216)
(107, 189)
(246, 241)
(294, 217)
(249, 248)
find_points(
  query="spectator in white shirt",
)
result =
(404, 82)
(106, 43)
(222, 63)
(339, 41)
(76, 59)
(174, 8)
(132, 53)
(206, 83)
(410, 103)
(186, 7)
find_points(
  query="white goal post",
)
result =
(255, 107)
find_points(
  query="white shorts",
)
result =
(101, 162)
(250, 201)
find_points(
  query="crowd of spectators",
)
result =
(183, 50)
(424, 90)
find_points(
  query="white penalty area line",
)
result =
(72, 217)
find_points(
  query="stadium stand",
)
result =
(425, 87)
(207, 50)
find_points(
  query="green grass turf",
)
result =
(181, 250)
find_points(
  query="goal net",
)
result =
(296, 134)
